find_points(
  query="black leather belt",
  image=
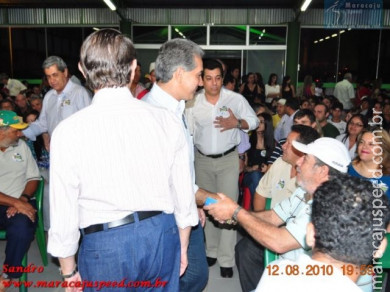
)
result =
(219, 155)
(124, 221)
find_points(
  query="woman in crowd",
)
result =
(288, 90)
(308, 87)
(251, 90)
(262, 145)
(373, 158)
(272, 89)
(354, 128)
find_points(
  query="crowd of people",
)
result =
(136, 163)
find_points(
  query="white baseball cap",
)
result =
(282, 101)
(328, 150)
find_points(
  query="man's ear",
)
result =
(310, 233)
(133, 67)
(81, 70)
(66, 72)
(178, 74)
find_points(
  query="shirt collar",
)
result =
(163, 99)
(107, 95)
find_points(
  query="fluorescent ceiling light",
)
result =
(110, 4)
(305, 5)
(334, 35)
(321, 40)
(315, 42)
(328, 37)
(95, 28)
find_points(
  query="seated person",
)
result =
(262, 145)
(341, 238)
(19, 176)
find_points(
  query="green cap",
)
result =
(10, 119)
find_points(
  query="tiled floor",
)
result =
(50, 273)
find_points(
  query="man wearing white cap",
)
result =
(283, 229)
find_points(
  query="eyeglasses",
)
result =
(356, 124)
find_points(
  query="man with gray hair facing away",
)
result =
(344, 92)
(178, 70)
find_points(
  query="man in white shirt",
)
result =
(19, 176)
(181, 60)
(63, 100)
(215, 119)
(14, 86)
(342, 239)
(125, 179)
(344, 92)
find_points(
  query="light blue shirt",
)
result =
(296, 212)
(57, 107)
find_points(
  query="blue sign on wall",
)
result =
(362, 14)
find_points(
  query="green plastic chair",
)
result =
(269, 255)
(39, 233)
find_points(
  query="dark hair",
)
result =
(6, 101)
(337, 105)
(269, 142)
(211, 65)
(270, 78)
(307, 134)
(285, 79)
(31, 112)
(362, 118)
(305, 113)
(323, 104)
(292, 103)
(106, 57)
(343, 218)
(228, 79)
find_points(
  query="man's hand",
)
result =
(222, 210)
(226, 123)
(183, 262)
(24, 208)
(72, 281)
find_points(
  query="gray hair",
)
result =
(174, 54)
(54, 60)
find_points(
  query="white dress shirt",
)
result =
(344, 92)
(118, 156)
(201, 116)
(160, 98)
(57, 107)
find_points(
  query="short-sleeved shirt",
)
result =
(17, 167)
(277, 183)
(296, 213)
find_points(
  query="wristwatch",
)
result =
(239, 124)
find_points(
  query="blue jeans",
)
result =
(251, 180)
(197, 274)
(147, 250)
(20, 233)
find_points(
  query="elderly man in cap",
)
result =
(283, 229)
(19, 176)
